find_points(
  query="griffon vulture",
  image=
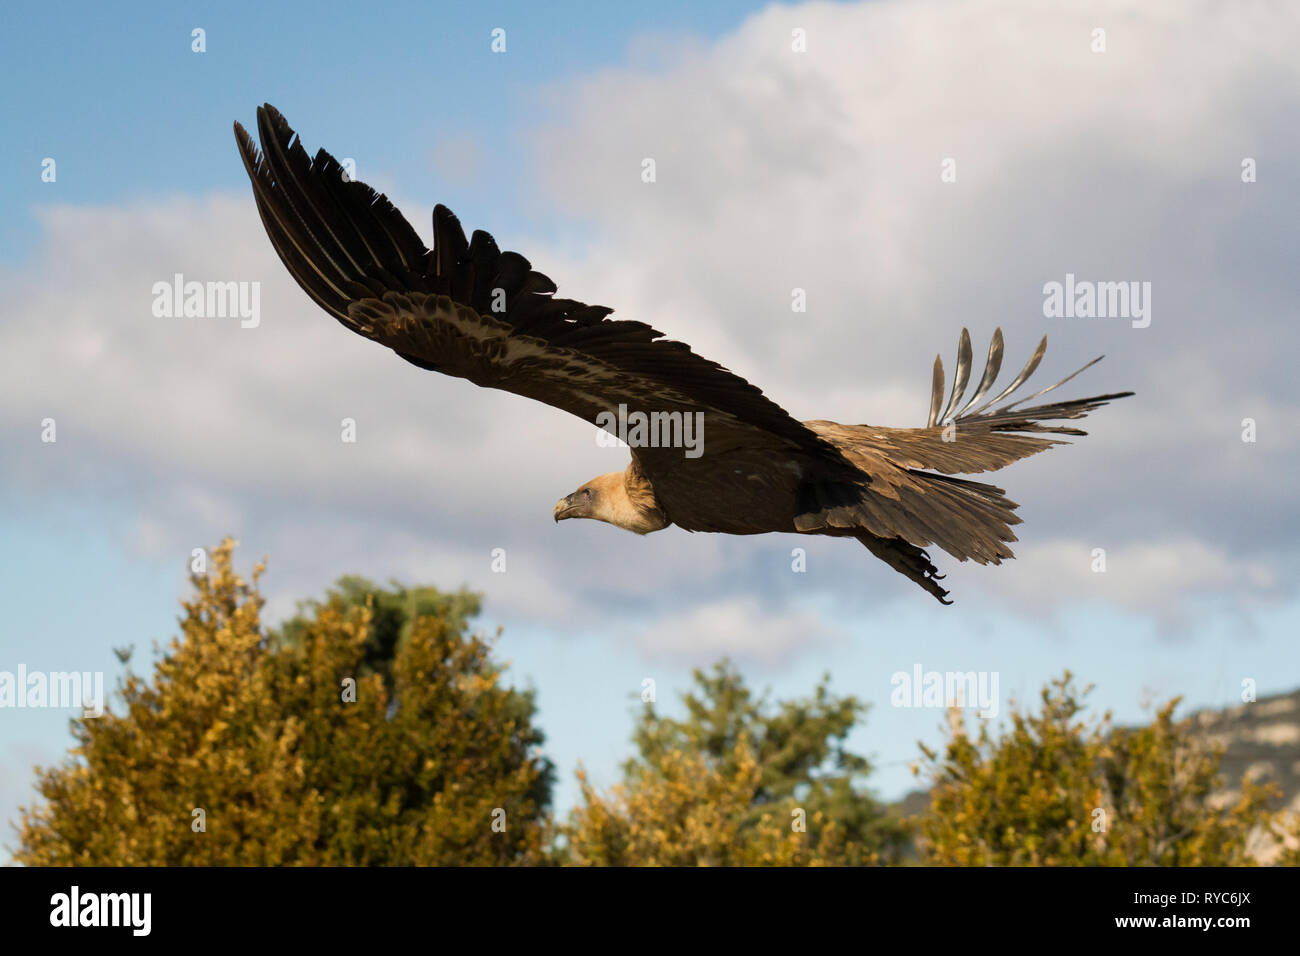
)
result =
(467, 309)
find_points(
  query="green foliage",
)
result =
(373, 729)
(393, 612)
(1057, 790)
(725, 785)
(252, 729)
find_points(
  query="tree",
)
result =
(1059, 790)
(288, 747)
(393, 612)
(738, 782)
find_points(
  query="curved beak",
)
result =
(564, 508)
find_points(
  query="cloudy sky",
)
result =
(916, 167)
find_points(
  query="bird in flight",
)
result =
(467, 309)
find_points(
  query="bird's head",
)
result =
(605, 498)
(583, 503)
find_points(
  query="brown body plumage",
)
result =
(467, 309)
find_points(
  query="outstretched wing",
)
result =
(907, 505)
(467, 309)
(967, 437)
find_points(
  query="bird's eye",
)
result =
(586, 492)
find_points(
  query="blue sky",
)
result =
(118, 92)
(775, 171)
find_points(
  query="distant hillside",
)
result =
(1262, 739)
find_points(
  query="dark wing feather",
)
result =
(962, 375)
(467, 309)
(991, 437)
(992, 366)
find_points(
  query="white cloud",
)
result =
(1140, 576)
(736, 628)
